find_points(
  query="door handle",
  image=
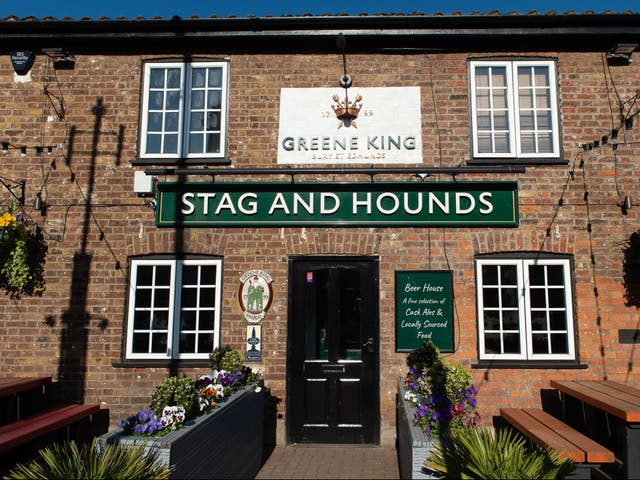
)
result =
(368, 345)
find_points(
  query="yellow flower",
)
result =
(8, 220)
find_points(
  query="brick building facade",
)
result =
(87, 96)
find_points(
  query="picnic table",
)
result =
(620, 405)
(13, 385)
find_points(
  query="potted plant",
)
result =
(209, 427)
(22, 252)
(435, 397)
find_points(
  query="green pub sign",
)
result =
(424, 309)
(400, 204)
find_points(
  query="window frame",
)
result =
(524, 309)
(174, 307)
(515, 153)
(182, 154)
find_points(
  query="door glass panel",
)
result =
(350, 341)
(317, 289)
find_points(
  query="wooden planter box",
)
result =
(225, 443)
(413, 445)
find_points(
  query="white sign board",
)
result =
(361, 125)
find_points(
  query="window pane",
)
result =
(197, 99)
(171, 144)
(188, 320)
(154, 122)
(543, 99)
(143, 298)
(536, 274)
(508, 275)
(198, 76)
(543, 120)
(492, 343)
(500, 100)
(499, 76)
(556, 298)
(172, 100)
(215, 77)
(538, 298)
(558, 320)
(525, 99)
(205, 343)
(208, 275)
(538, 320)
(214, 99)
(482, 77)
(173, 78)
(156, 100)
(171, 122)
(509, 297)
(527, 143)
(190, 275)
(163, 275)
(541, 76)
(213, 121)
(196, 122)
(207, 297)
(490, 297)
(161, 298)
(490, 274)
(484, 143)
(189, 297)
(524, 76)
(140, 343)
(213, 142)
(511, 342)
(501, 121)
(141, 320)
(159, 343)
(160, 320)
(156, 78)
(195, 142)
(502, 144)
(491, 320)
(207, 319)
(545, 143)
(187, 343)
(484, 121)
(559, 343)
(144, 275)
(510, 320)
(526, 120)
(540, 344)
(154, 143)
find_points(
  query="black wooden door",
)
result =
(332, 361)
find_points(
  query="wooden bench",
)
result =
(547, 431)
(22, 431)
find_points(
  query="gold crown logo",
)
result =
(347, 111)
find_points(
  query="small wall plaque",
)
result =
(22, 61)
(254, 344)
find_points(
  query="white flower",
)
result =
(258, 389)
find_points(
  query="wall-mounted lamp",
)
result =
(143, 184)
(23, 151)
(621, 54)
(5, 147)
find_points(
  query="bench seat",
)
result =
(22, 431)
(546, 430)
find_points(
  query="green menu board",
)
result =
(424, 309)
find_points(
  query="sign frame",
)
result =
(357, 204)
(423, 296)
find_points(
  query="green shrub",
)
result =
(424, 357)
(232, 361)
(482, 452)
(215, 357)
(87, 461)
(174, 391)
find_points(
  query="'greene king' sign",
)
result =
(406, 204)
(361, 125)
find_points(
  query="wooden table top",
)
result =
(11, 385)
(615, 398)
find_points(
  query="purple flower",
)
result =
(145, 415)
(138, 429)
(20, 218)
(121, 423)
(422, 410)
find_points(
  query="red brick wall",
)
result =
(120, 224)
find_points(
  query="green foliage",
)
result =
(484, 453)
(88, 461)
(232, 361)
(174, 391)
(423, 358)
(16, 267)
(215, 357)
